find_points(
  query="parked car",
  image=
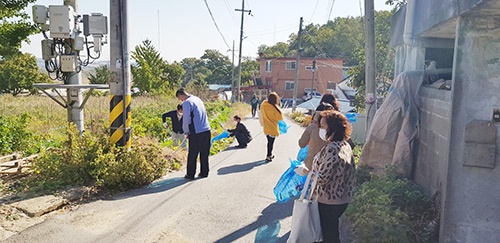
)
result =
(308, 95)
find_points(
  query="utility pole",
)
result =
(74, 96)
(313, 70)
(371, 94)
(232, 73)
(159, 36)
(120, 115)
(243, 11)
(296, 83)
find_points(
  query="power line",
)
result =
(331, 9)
(314, 11)
(231, 13)
(215, 23)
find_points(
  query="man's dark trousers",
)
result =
(198, 144)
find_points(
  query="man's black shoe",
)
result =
(189, 177)
(202, 176)
(241, 146)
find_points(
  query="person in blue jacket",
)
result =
(197, 129)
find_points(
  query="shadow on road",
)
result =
(240, 167)
(155, 187)
(267, 225)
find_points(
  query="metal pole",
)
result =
(243, 11)
(296, 83)
(232, 74)
(313, 70)
(74, 96)
(371, 94)
(120, 115)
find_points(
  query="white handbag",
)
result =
(306, 225)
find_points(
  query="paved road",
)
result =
(234, 204)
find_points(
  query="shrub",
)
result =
(391, 209)
(14, 136)
(90, 160)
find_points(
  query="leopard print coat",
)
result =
(336, 173)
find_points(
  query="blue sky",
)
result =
(184, 28)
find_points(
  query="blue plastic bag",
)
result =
(224, 134)
(352, 117)
(290, 184)
(301, 156)
(283, 127)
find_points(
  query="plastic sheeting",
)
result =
(224, 134)
(395, 126)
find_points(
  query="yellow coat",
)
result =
(270, 117)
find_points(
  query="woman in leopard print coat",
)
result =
(336, 172)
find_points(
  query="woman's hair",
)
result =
(330, 99)
(237, 118)
(339, 128)
(273, 98)
(321, 107)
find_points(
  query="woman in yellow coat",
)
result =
(271, 114)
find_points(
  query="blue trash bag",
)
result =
(224, 134)
(290, 184)
(351, 117)
(283, 127)
(301, 156)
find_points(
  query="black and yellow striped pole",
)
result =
(120, 118)
(120, 114)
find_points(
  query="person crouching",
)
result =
(241, 133)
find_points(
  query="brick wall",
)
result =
(433, 143)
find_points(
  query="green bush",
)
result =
(90, 160)
(391, 209)
(146, 121)
(14, 136)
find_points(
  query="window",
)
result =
(291, 65)
(289, 85)
(268, 66)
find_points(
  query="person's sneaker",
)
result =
(189, 177)
(269, 158)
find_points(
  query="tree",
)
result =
(101, 75)
(192, 68)
(15, 26)
(398, 3)
(384, 60)
(280, 49)
(212, 68)
(249, 70)
(219, 66)
(151, 73)
(19, 72)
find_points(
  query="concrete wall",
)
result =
(432, 13)
(432, 148)
(472, 203)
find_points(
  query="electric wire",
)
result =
(314, 11)
(228, 7)
(331, 9)
(215, 23)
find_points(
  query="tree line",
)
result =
(342, 38)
